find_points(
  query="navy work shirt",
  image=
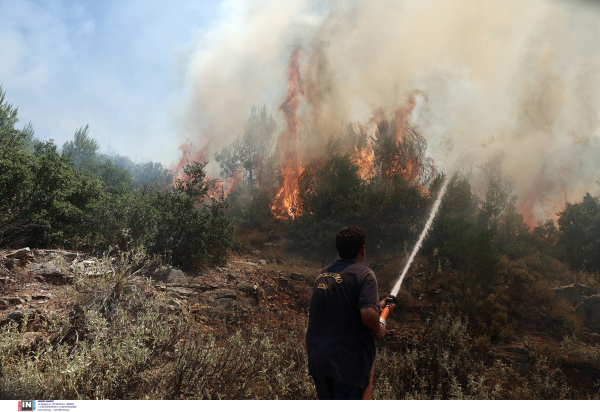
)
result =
(339, 344)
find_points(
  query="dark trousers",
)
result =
(329, 389)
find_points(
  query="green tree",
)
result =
(82, 147)
(579, 229)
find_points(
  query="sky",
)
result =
(118, 66)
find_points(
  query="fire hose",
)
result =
(382, 320)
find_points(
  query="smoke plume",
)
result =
(518, 78)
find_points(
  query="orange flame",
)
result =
(189, 154)
(285, 203)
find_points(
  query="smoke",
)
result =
(519, 78)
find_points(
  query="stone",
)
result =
(182, 292)
(245, 288)
(298, 276)
(17, 317)
(233, 276)
(16, 300)
(10, 263)
(175, 303)
(222, 294)
(169, 274)
(573, 293)
(283, 283)
(247, 262)
(226, 304)
(3, 303)
(47, 270)
(589, 311)
(262, 262)
(17, 254)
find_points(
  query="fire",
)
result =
(536, 206)
(364, 158)
(286, 200)
(189, 154)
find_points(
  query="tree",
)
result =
(82, 147)
(579, 228)
(249, 152)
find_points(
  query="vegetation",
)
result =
(480, 274)
(47, 198)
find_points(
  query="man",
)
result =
(344, 321)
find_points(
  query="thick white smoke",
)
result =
(520, 77)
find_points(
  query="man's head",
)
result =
(349, 242)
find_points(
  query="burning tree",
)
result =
(248, 154)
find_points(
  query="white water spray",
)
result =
(434, 211)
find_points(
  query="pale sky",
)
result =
(118, 66)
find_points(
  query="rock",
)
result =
(270, 289)
(255, 291)
(573, 293)
(298, 276)
(17, 317)
(169, 274)
(222, 294)
(233, 276)
(589, 311)
(48, 269)
(248, 262)
(50, 272)
(262, 262)
(226, 304)
(283, 283)
(19, 253)
(182, 292)
(40, 296)
(245, 288)
(16, 300)
(3, 303)
(259, 293)
(11, 263)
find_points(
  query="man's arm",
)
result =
(370, 318)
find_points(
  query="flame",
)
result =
(189, 154)
(535, 206)
(402, 116)
(285, 203)
(364, 158)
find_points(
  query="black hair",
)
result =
(349, 241)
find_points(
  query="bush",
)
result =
(181, 222)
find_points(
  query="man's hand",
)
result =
(385, 301)
(370, 317)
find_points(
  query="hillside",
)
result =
(124, 326)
